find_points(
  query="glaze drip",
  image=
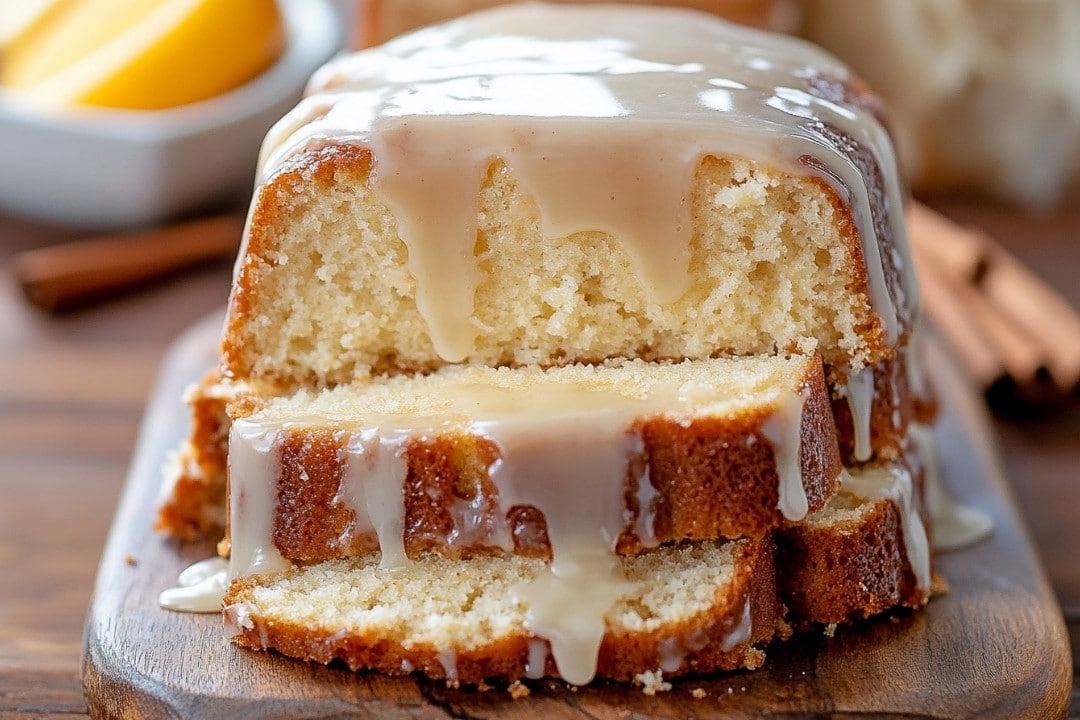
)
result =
(566, 444)
(860, 400)
(894, 482)
(783, 430)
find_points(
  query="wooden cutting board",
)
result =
(994, 647)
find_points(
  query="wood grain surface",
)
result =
(995, 646)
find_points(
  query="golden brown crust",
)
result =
(855, 92)
(273, 204)
(198, 494)
(190, 510)
(836, 575)
(698, 640)
(851, 570)
(715, 477)
(184, 513)
(718, 478)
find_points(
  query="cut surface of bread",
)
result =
(476, 458)
(602, 200)
(706, 605)
(325, 293)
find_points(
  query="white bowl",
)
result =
(111, 169)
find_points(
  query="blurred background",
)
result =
(110, 110)
(129, 138)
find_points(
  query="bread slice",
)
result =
(866, 551)
(600, 218)
(484, 458)
(192, 498)
(192, 502)
(690, 607)
(324, 293)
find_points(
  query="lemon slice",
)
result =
(19, 18)
(144, 54)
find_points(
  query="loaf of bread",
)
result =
(778, 230)
(549, 300)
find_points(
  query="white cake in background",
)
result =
(984, 95)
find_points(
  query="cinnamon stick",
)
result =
(1027, 301)
(976, 354)
(1020, 353)
(974, 288)
(63, 277)
(959, 251)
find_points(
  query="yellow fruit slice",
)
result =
(146, 54)
(20, 18)
(65, 35)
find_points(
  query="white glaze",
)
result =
(254, 467)
(783, 430)
(893, 482)
(373, 488)
(742, 631)
(564, 447)
(954, 524)
(200, 587)
(537, 659)
(536, 86)
(859, 392)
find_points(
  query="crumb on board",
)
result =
(698, 693)
(938, 585)
(830, 630)
(755, 658)
(518, 690)
(784, 629)
(652, 682)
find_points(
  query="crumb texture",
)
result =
(326, 294)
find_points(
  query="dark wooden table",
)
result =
(73, 388)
